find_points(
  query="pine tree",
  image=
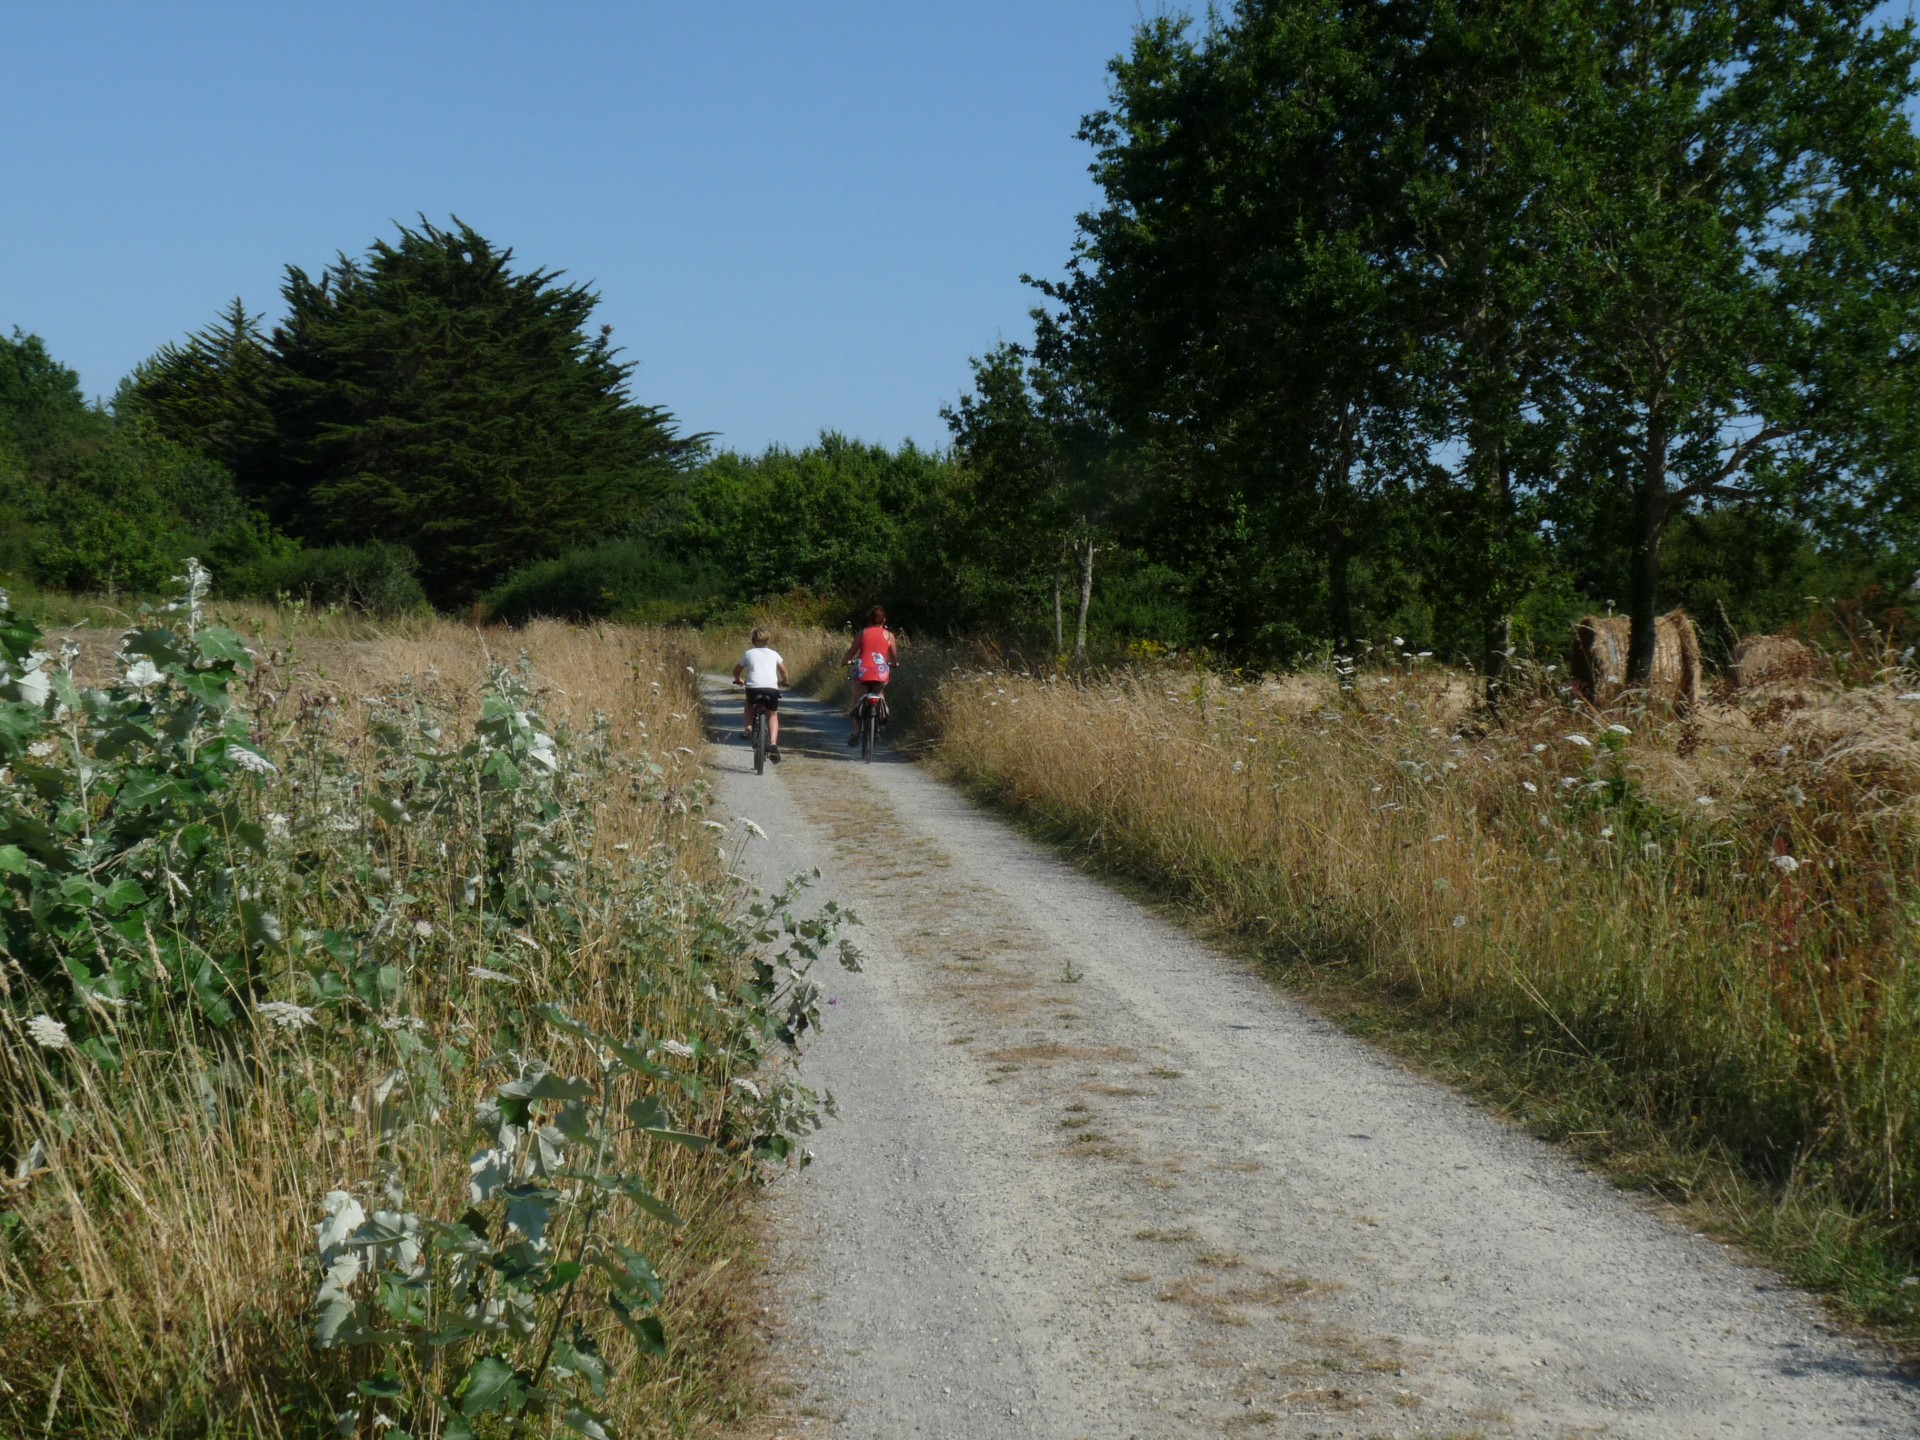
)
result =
(430, 395)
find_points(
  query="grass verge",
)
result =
(1681, 949)
(383, 1047)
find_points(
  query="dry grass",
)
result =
(157, 1274)
(1692, 938)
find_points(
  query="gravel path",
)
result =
(1092, 1180)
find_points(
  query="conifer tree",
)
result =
(428, 394)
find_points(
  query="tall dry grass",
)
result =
(156, 1265)
(1690, 940)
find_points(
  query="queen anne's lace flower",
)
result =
(677, 1047)
(1785, 864)
(284, 1014)
(48, 1033)
(250, 760)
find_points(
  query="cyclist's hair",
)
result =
(760, 636)
(877, 615)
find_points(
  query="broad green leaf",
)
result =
(385, 1387)
(489, 1388)
(13, 861)
(584, 1422)
(646, 1329)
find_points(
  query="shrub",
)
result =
(380, 579)
(625, 578)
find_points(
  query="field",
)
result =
(1685, 948)
(385, 1049)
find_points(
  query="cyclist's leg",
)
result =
(746, 730)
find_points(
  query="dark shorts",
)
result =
(766, 699)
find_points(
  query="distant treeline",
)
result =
(420, 421)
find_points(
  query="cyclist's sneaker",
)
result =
(773, 753)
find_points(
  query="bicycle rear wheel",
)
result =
(868, 710)
(759, 742)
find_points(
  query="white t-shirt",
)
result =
(762, 665)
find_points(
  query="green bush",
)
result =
(625, 578)
(380, 579)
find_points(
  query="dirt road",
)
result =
(1092, 1179)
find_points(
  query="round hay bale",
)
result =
(1599, 659)
(1774, 660)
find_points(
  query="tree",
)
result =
(1042, 478)
(1228, 305)
(428, 395)
(1742, 269)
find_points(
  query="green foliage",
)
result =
(1436, 301)
(632, 579)
(97, 501)
(426, 395)
(128, 825)
(379, 579)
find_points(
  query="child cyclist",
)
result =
(763, 672)
(873, 649)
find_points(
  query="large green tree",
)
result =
(1741, 269)
(427, 393)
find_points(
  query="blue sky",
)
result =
(798, 216)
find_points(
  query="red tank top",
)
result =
(876, 655)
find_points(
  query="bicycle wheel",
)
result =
(759, 741)
(867, 712)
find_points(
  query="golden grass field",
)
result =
(1688, 947)
(166, 1285)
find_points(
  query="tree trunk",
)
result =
(1084, 553)
(1496, 625)
(1649, 519)
(1340, 607)
(1059, 627)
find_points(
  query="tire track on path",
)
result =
(1092, 1179)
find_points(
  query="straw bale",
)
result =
(1599, 659)
(1774, 660)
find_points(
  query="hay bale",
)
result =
(1599, 659)
(1774, 660)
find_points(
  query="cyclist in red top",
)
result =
(874, 649)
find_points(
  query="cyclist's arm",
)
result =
(785, 683)
(736, 671)
(853, 652)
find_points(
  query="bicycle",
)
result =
(763, 749)
(873, 708)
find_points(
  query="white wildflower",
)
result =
(48, 1033)
(1911, 695)
(278, 827)
(143, 674)
(1651, 849)
(1438, 838)
(713, 825)
(1581, 741)
(1459, 922)
(284, 1014)
(1703, 799)
(1398, 641)
(1785, 864)
(481, 972)
(1529, 787)
(423, 929)
(753, 829)
(677, 1047)
(1567, 782)
(1619, 729)
(1538, 748)
(747, 1085)
(1239, 766)
(402, 1022)
(251, 760)
(41, 749)
(1606, 832)
(527, 940)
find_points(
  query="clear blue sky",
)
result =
(799, 216)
